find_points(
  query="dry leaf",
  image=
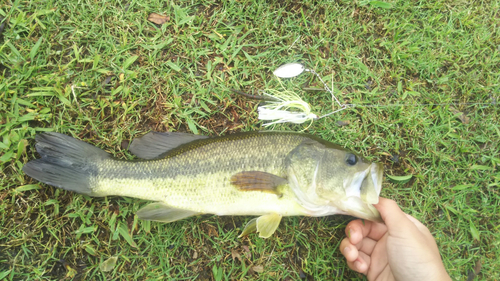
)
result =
(157, 18)
(258, 268)
(195, 255)
(71, 272)
(248, 254)
(124, 144)
(107, 80)
(477, 268)
(108, 264)
(462, 117)
(342, 123)
(235, 255)
(471, 274)
(302, 274)
(212, 232)
(2, 24)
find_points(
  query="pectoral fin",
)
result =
(264, 225)
(163, 213)
(260, 181)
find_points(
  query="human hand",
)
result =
(401, 248)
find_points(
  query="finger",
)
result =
(398, 224)
(381, 261)
(356, 230)
(349, 250)
(416, 222)
(361, 264)
(423, 229)
(366, 245)
(425, 232)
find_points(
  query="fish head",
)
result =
(328, 179)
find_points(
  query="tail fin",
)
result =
(66, 162)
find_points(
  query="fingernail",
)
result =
(347, 250)
(357, 264)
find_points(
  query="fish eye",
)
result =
(351, 159)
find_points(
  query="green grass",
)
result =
(98, 70)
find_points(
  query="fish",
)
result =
(266, 174)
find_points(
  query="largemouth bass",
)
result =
(265, 174)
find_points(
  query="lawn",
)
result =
(425, 76)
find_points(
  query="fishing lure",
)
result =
(288, 107)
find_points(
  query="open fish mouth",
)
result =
(361, 192)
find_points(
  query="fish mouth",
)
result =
(363, 191)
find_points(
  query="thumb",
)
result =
(394, 218)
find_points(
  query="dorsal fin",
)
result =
(154, 144)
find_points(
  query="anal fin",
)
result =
(257, 181)
(163, 213)
(265, 225)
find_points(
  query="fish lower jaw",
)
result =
(321, 210)
(352, 206)
(356, 207)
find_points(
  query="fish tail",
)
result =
(66, 163)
